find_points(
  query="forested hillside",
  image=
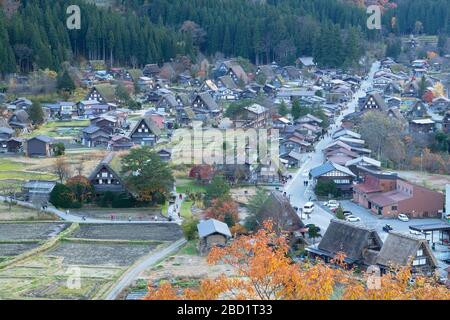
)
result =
(134, 32)
(419, 16)
(36, 36)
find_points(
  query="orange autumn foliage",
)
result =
(263, 271)
(224, 210)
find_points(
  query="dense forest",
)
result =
(36, 36)
(419, 16)
(135, 32)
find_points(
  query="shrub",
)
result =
(62, 197)
(340, 213)
(189, 227)
(325, 188)
(123, 200)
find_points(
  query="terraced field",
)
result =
(143, 232)
(81, 263)
(94, 254)
(29, 231)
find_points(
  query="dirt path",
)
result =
(134, 272)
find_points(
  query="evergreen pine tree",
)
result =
(36, 113)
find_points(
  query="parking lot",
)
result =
(377, 222)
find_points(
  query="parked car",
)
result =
(416, 233)
(447, 261)
(387, 228)
(347, 213)
(352, 219)
(403, 217)
(331, 204)
(308, 208)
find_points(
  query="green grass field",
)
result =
(15, 173)
(60, 128)
(188, 185)
(185, 210)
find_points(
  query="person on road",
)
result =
(129, 218)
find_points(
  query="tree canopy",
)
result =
(146, 175)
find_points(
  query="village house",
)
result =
(212, 233)
(340, 175)
(388, 195)
(446, 122)
(374, 101)
(306, 63)
(151, 70)
(346, 133)
(417, 111)
(168, 103)
(235, 71)
(38, 191)
(440, 104)
(5, 135)
(393, 102)
(20, 120)
(422, 126)
(280, 123)
(204, 103)
(411, 89)
(363, 163)
(145, 133)
(19, 104)
(293, 159)
(254, 116)
(120, 143)
(404, 250)
(107, 123)
(14, 145)
(94, 136)
(92, 108)
(103, 95)
(359, 244)
(105, 179)
(165, 154)
(285, 219)
(40, 146)
(340, 156)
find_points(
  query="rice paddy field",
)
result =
(40, 261)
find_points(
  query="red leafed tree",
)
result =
(225, 210)
(428, 96)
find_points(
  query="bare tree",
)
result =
(79, 167)
(61, 169)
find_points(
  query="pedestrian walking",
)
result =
(129, 218)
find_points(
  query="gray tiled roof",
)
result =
(211, 226)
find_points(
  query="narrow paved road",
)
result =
(131, 274)
(298, 193)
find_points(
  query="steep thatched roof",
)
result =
(150, 124)
(278, 208)
(359, 243)
(398, 249)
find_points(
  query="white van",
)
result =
(308, 208)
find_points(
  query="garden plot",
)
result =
(136, 214)
(131, 232)
(46, 275)
(14, 249)
(29, 231)
(100, 253)
(17, 213)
